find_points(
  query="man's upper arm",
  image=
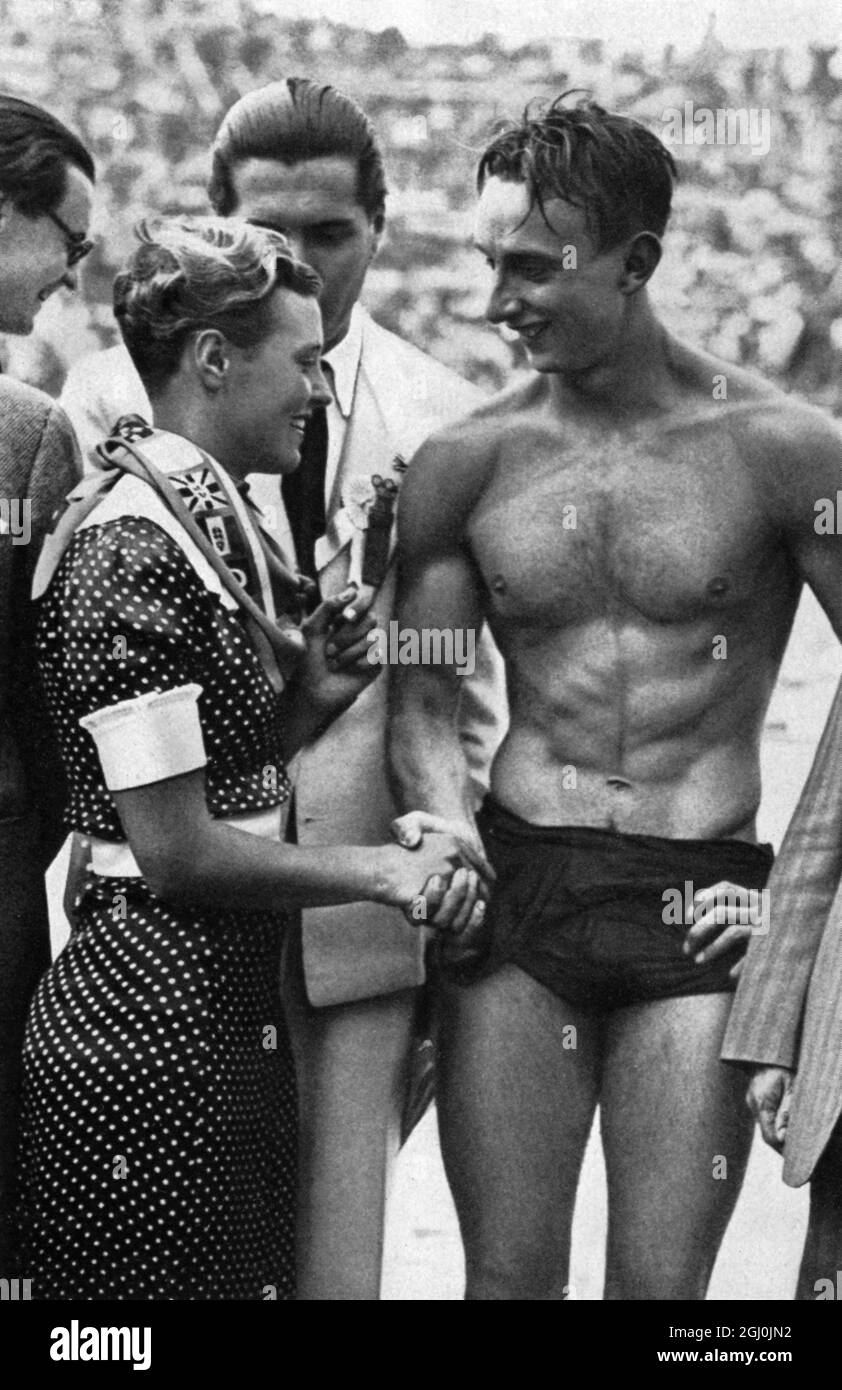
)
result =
(439, 587)
(56, 470)
(437, 583)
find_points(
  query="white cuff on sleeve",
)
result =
(148, 738)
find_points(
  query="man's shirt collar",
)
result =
(344, 360)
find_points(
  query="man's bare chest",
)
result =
(561, 539)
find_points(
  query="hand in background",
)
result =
(433, 883)
(409, 831)
(335, 668)
(80, 855)
(769, 1096)
(457, 908)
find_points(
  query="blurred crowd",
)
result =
(753, 269)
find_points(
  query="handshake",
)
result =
(439, 877)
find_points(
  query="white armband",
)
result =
(149, 738)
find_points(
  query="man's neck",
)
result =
(337, 338)
(634, 381)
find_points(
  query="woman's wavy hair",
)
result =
(618, 172)
(201, 272)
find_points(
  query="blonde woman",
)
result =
(159, 1147)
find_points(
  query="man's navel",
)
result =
(718, 588)
(618, 784)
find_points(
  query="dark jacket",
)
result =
(39, 465)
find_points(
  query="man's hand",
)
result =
(768, 1098)
(410, 828)
(335, 668)
(459, 910)
(724, 917)
(432, 883)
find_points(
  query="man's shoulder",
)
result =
(25, 415)
(489, 421)
(37, 447)
(768, 427)
(457, 461)
(19, 401)
(773, 425)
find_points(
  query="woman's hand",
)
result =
(335, 668)
(433, 884)
(410, 828)
(461, 910)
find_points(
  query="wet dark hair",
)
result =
(35, 150)
(201, 272)
(618, 172)
(292, 121)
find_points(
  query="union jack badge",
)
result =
(200, 490)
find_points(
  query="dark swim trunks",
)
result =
(582, 910)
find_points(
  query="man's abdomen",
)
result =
(660, 740)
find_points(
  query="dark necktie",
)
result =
(304, 493)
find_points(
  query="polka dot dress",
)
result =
(159, 1120)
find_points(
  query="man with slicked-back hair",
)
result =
(304, 158)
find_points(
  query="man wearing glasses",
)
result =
(46, 187)
(76, 244)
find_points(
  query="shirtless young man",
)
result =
(635, 523)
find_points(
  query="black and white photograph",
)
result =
(420, 665)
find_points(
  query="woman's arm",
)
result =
(188, 857)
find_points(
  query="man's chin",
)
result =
(548, 359)
(547, 365)
(278, 466)
(556, 363)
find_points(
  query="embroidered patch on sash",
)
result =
(206, 498)
(200, 490)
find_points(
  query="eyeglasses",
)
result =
(76, 244)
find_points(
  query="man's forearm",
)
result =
(427, 764)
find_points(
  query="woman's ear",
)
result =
(211, 358)
(641, 260)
